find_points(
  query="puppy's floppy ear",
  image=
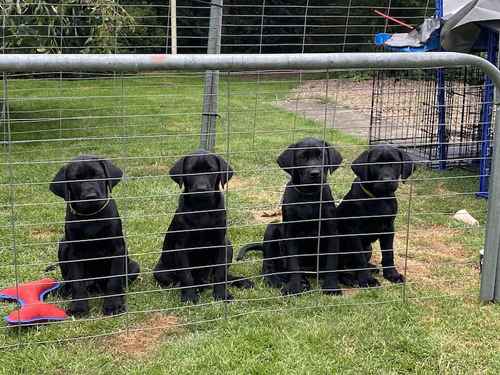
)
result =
(58, 184)
(334, 158)
(177, 171)
(360, 167)
(113, 173)
(225, 169)
(286, 160)
(407, 165)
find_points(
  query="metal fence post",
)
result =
(210, 95)
(490, 277)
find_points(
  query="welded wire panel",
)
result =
(144, 123)
(263, 26)
(406, 112)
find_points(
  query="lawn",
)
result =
(432, 324)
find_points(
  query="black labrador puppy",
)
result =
(196, 248)
(92, 255)
(368, 212)
(293, 247)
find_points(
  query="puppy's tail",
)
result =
(249, 247)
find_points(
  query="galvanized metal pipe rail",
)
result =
(490, 278)
(238, 62)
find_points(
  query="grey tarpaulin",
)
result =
(450, 7)
(417, 37)
(461, 29)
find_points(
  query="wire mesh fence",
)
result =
(144, 123)
(265, 26)
(405, 113)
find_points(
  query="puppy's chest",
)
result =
(91, 230)
(202, 227)
(308, 211)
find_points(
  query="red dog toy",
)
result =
(30, 296)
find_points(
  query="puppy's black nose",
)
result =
(202, 188)
(90, 196)
(315, 173)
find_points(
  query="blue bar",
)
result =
(486, 116)
(442, 147)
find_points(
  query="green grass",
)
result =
(144, 123)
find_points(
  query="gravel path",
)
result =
(338, 117)
(347, 106)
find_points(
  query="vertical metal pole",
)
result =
(490, 276)
(209, 114)
(173, 23)
(168, 30)
(3, 101)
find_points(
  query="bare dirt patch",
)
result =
(238, 182)
(43, 234)
(144, 338)
(435, 259)
(438, 243)
(251, 188)
(267, 216)
(356, 95)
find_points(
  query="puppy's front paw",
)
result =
(273, 281)
(293, 288)
(190, 296)
(366, 280)
(223, 296)
(331, 289)
(348, 279)
(78, 308)
(246, 284)
(393, 276)
(114, 305)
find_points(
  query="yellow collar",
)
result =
(368, 192)
(108, 199)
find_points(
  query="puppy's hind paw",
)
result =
(393, 276)
(368, 282)
(348, 279)
(332, 290)
(163, 278)
(223, 296)
(114, 305)
(190, 296)
(242, 283)
(78, 308)
(273, 281)
(246, 284)
(290, 289)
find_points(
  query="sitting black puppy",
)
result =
(196, 248)
(92, 255)
(369, 210)
(292, 248)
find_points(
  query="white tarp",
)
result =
(461, 29)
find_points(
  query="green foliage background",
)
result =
(135, 26)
